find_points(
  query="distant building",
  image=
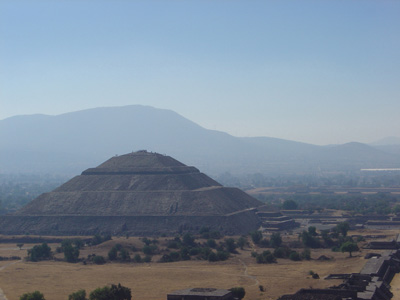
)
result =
(201, 294)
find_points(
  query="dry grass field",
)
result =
(154, 280)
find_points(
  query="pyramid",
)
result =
(140, 193)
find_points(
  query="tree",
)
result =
(276, 240)
(39, 252)
(112, 254)
(124, 255)
(308, 240)
(230, 245)
(265, 257)
(242, 242)
(349, 247)
(294, 255)
(137, 258)
(103, 293)
(79, 295)
(20, 245)
(306, 254)
(120, 292)
(115, 292)
(312, 230)
(343, 228)
(188, 239)
(256, 236)
(36, 295)
(71, 253)
(211, 243)
(238, 292)
(99, 260)
(289, 205)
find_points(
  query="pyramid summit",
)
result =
(140, 193)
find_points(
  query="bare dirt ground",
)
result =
(56, 280)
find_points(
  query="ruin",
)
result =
(372, 283)
(201, 294)
(140, 193)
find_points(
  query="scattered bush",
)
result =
(230, 245)
(275, 240)
(39, 252)
(79, 295)
(242, 241)
(36, 295)
(265, 258)
(306, 254)
(211, 243)
(294, 256)
(99, 260)
(238, 292)
(256, 236)
(137, 258)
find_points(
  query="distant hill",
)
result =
(387, 141)
(72, 142)
(389, 144)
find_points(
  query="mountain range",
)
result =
(71, 142)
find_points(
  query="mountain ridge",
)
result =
(72, 141)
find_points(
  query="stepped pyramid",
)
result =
(140, 193)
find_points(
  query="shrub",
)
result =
(103, 293)
(276, 240)
(295, 256)
(188, 239)
(112, 254)
(231, 245)
(211, 243)
(79, 295)
(238, 292)
(146, 241)
(165, 258)
(149, 249)
(185, 253)
(71, 254)
(147, 259)
(242, 241)
(124, 255)
(175, 256)
(137, 258)
(205, 252)
(99, 260)
(194, 251)
(265, 257)
(36, 295)
(264, 243)
(215, 235)
(222, 255)
(306, 254)
(39, 252)
(282, 252)
(256, 236)
(173, 245)
(212, 257)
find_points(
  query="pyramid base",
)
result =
(233, 224)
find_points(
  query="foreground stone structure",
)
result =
(201, 294)
(140, 193)
(372, 283)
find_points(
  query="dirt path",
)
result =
(2, 296)
(245, 274)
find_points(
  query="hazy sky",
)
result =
(322, 72)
